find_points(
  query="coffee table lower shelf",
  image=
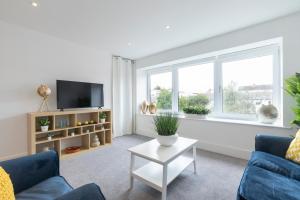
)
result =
(152, 173)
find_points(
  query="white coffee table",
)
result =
(166, 163)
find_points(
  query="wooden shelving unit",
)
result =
(62, 124)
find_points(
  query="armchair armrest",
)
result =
(87, 192)
(272, 144)
(28, 171)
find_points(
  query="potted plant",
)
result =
(50, 135)
(44, 123)
(166, 126)
(102, 117)
(292, 87)
(196, 111)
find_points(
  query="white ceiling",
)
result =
(108, 25)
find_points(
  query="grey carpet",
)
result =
(218, 175)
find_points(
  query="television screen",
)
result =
(71, 94)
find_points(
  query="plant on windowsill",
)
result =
(196, 111)
(292, 87)
(102, 117)
(44, 124)
(166, 125)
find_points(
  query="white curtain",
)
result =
(122, 96)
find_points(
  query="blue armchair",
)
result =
(37, 177)
(268, 175)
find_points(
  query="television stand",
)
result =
(65, 126)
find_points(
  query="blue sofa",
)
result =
(37, 177)
(268, 175)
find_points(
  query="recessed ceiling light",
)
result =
(167, 27)
(129, 43)
(34, 4)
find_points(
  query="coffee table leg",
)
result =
(195, 156)
(164, 182)
(132, 159)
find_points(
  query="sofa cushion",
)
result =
(258, 183)
(49, 189)
(275, 164)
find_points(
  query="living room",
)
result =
(149, 99)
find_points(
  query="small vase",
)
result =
(49, 138)
(102, 120)
(44, 128)
(267, 114)
(167, 140)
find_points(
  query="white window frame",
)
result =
(248, 51)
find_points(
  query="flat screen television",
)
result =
(71, 94)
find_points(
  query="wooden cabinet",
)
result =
(65, 126)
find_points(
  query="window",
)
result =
(161, 90)
(232, 84)
(247, 84)
(196, 85)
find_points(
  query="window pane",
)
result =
(161, 90)
(247, 84)
(196, 85)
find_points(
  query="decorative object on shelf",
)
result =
(63, 123)
(49, 136)
(152, 108)
(196, 111)
(79, 124)
(292, 87)
(144, 107)
(44, 123)
(72, 134)
(267, 114)
(95, 141)
(102, 117)
(92, 122)
(44, 91)
(86, 122)
(72, 149)
(166, 126)
(46, 148)
(102, 128)
(87, 131)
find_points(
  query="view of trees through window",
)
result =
(161, 90)
(196, 86)
(246, 84)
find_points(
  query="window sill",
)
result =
(231, 121)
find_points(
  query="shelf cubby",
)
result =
(63, 124)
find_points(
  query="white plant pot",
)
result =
(102, 120)
(44, 128)
(167, 140)
(194, 116)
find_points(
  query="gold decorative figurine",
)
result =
(44, 91)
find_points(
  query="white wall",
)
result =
(28, 59)
(232, 139)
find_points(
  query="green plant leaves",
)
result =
(166, 124)
(198, 110)
(292, 87)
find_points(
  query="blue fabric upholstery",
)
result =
(261, 184)
(275, 164)
(49, 189)
(28, 171)
(268, 175)
(36, 177)
(89, 191)
(272, 144)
